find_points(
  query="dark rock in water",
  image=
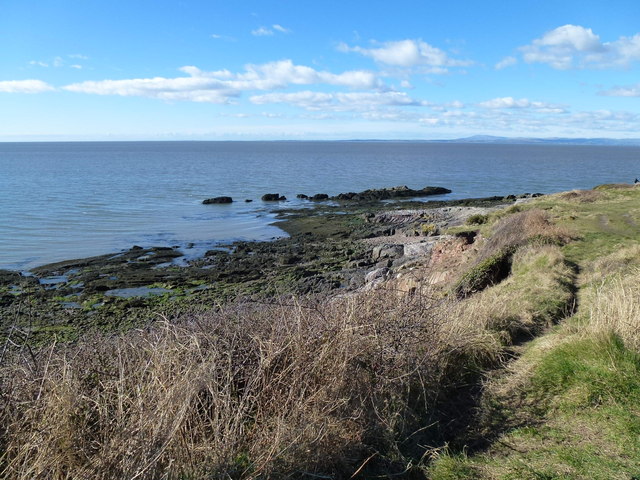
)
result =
(302, 196)
(320, 196)
(136, 247)
(346, 196)
(248, 200)
(8, 277)
(273, 197)
(217, 200)
(510, 197)
(389, 193)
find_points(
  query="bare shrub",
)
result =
(299, 386)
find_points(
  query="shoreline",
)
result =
(328, 248)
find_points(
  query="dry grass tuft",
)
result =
(522, 228)
(581, 196)
(615, 309)
(253, 391)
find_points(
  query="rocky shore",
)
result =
(352, 244)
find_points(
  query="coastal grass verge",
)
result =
(567, 407)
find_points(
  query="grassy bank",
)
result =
(525, 364)
(568, 406)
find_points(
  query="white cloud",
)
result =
(510, 103)
(262, 32)
(221, 86)
(506, 62)
(25, 86)
(269, 31)
(409, 53)
(338, 101)
(226, 38)
(280, 28)
(59, 61)
(574, 46)
(628, 91)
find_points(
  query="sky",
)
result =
(310, 70)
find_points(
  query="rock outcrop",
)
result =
(273, 197)
(390, 193)
(217, 200)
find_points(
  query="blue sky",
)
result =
(163, 69)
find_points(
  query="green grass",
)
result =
(586, 394)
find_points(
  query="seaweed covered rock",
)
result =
(390, 193)
(217, 200)
(273, 197)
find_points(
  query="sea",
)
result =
(67, 200)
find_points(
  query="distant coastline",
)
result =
(481, 139)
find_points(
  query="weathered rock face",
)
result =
(217, 200)
(378, 275)
(418, 249)
(387, 251)
(273, 197)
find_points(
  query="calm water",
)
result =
(68, 200)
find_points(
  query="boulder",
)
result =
(377, 275)
(302, 196)
(217, 200)
(387, 251)
(418, 249)
(273, 197)
(320, 196)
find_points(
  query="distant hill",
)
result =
(552, 141)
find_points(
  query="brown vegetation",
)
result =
(251, 391)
